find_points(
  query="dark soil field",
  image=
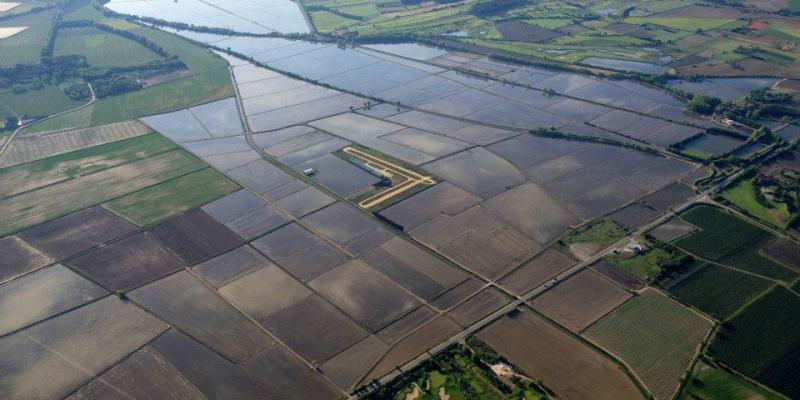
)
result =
(536, 272)
(406, 324)
(284, 376)
(145, 374)
(19, 258)
(22, 304)
(314, 329)
(580, 300)
(367, 296)
(455, 295)
(783, 252)
(672, 229)
(215, 376)
(74, 233)
(59, 345)
(611, 271)
(347, 227)
(264, 291)
(186, 303)
(634, 216)
(227, 267)
(768, 330)
(425, 205)
(478, 306)
(413, 345)
(301, 253)
(348, 367)
(417, 270)
(128, 263)
(195, 236)
(564, 365)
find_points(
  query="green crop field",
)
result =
(763, 341)
(80, 118)
(26, 46)
(155, 203)
(711, 382)
(729, 240)
(102, 49)
(655, 336)
(325, 21)
(47, 101)
(169, 96)
(718, 291)
(682, 23)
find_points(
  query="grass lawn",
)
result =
(155, 203)
(102, 49)
(743, 196)
(603, 231)
(641, 266)
(711, 382)
(196, 89)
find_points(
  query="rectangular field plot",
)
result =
(580, 300)
(192, 307)
(220, 118)
(260, 176)
(230, 266)
(413, 345)
(145, 374)
(617, 274)
(536, 272)
(762, 341)
(19, 258)
(712, 382)
(43, 204)
(478, 306)
(155, 203)
(264, 291)
(672, 229)
(348, 227)
(422, 207)
(37, 174)
(655, 336)
(314, 329)
(716, 290)
(43, 294)
(417, 270)
(348, 367)
(364, 294)
(477, 170)
(110, 327)
(567, 367)
(477, 240)
(407, 323)
(283, 376)
(729, 240)
(303, 254)
(216, 377)
(128, 263)
(195, 236)
(783, 252)
(31, 148)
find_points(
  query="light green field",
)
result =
(655, 336)
(641, 266)
(710, 382)
(102, 49)
(26, 47)
(549, 23)
(155, 203)
(743, 196)
(80, 118)
(169, 96)
(47, 101)
(682, 23)
(40, 205)
(325, 21)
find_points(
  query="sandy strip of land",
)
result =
(11, 31)
(7, 5)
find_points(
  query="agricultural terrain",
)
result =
(336, 199)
